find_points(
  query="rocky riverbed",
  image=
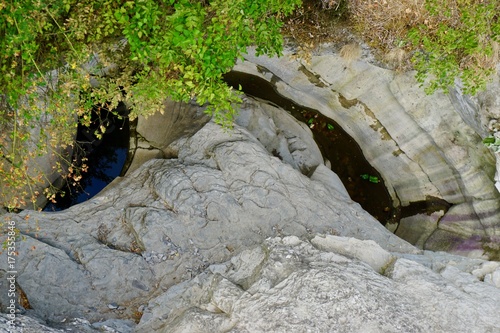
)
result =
(248, 230)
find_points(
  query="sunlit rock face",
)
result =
(331, 284)
(420, 144)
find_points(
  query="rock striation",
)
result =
(420, 144)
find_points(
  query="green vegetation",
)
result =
(442, 39)
(370, 178)
(60, 58)
(492, 142)
(459, 40)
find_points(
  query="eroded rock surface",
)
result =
(248, 231)
(420, 144)
(244, 231)
(327, 284)
(171, 218)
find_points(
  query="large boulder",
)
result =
(171, 218)
(420, 144)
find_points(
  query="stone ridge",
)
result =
(333, 284)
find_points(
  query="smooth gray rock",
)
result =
(417, 229)
(281, 134)
(420, 144)
(482, 112)
(153, 134)
(295, 287)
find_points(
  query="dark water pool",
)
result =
(106, 160)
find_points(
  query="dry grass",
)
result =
(318, 22)
(484, 61)
(385, 25)
(382, 24)
(350, 52)
(397, 58)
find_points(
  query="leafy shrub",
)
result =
(459, 41)
(102, 52)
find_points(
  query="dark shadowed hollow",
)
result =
(363, 183)
(106, 159)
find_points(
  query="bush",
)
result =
(110, 51)
(460, 40)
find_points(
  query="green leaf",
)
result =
(489, 140)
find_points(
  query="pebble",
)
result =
(113, 306)
(153, 257)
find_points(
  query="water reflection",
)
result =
(105, 159)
